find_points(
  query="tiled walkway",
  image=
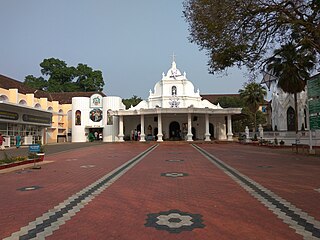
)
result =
(170, 191)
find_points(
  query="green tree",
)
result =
(246, 118)
(89, 80)
(133, 101)
(38, 83)
(237, 32)
(291, 65)
(253, 95)
(229, 102)
(62, 78)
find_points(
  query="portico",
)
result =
(174, 111)
(193, 123)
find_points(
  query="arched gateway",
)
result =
(174, 131)
(173, 110)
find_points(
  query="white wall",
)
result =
(78, 131)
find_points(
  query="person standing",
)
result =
(91, 137)
(100, 136)
(2, 140)
(18, 140)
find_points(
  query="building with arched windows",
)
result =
(283, 113)
(33, 114)
(173, 111)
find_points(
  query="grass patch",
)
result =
(11, 159)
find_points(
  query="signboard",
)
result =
(9, 115)
(314, 102)
(36, 119)
(34, 148)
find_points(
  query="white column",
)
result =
(229, 134)
(120, 129)
(160, 135)
(142, 134)
(207, 134)
(189, 135)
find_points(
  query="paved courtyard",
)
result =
(161, 191)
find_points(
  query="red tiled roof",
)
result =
(7, 83)
(62, 97)
(214, 97)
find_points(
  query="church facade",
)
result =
(173, 111)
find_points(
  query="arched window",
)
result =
(22, 102)
(37, 106)
(4, 98)
(174, 90)
(60, 115)
(77, 117)
(305, 118)
(291, 115)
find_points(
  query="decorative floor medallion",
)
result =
(174, 221)
(23, 171)
(174, 174)
(88, 166)
(264, 166)
(71, 159)
(29, 188)
(174, 160)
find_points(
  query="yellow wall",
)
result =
(59, 111)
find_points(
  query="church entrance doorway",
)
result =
(155, 133)
(174, 131)
(193, 131)
(211, 130)
(291, 115)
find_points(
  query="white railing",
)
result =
(289, 137)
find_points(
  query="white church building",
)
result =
(173, 111)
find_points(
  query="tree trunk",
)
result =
(255, 122)
(296, 113)
(296, 119)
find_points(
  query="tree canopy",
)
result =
(63, 78)
(292, 66)
(244, 32)
(253, 95)
(133, 101)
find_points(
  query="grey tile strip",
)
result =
(303, 224)
(50, 221)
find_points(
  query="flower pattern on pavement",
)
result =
(174, 221)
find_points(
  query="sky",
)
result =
(131, 42)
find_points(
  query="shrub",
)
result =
(11, 159)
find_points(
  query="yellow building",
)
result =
(37, 116)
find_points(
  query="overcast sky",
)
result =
(131, 42)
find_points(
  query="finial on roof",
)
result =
(173, 57)
(174, 65)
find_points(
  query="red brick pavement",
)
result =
(120, 212)
(292, 176)
(228, 211)
(58, 180)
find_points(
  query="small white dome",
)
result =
(173, 72)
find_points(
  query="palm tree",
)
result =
(292, 64)
(253, 95)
